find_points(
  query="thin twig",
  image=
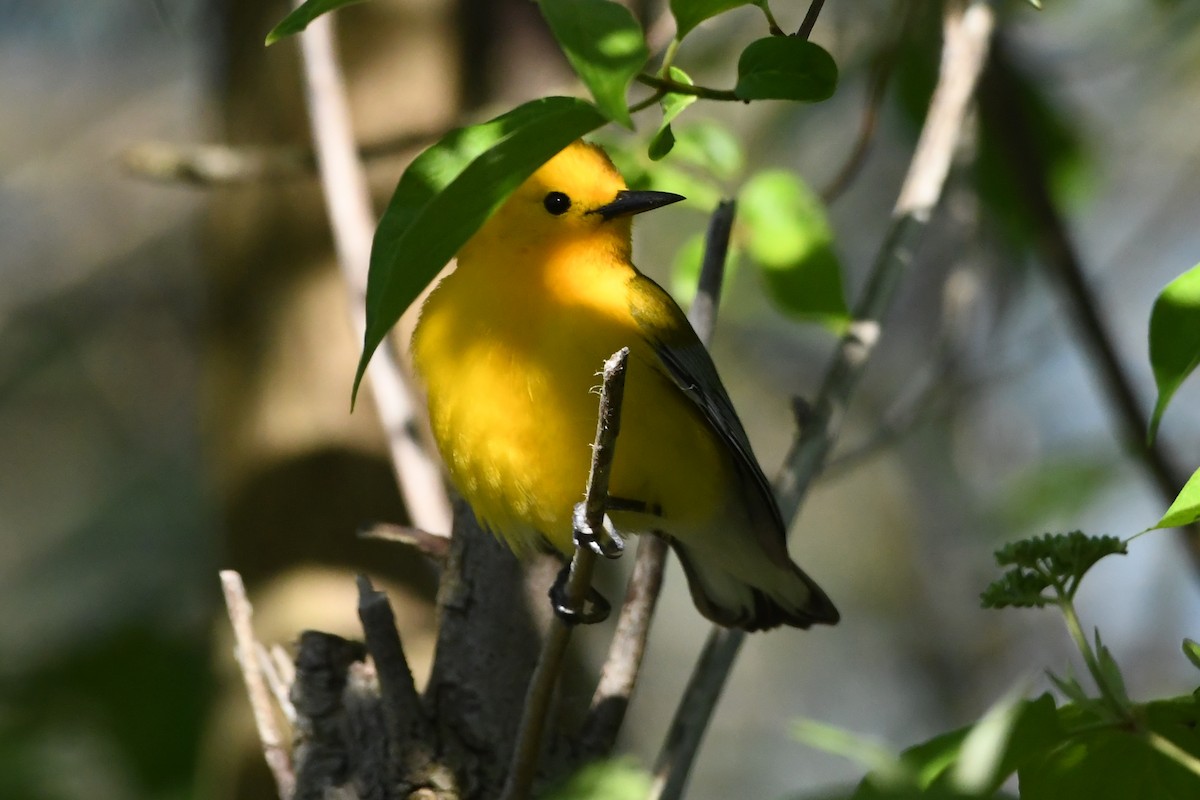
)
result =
(810, 19)
(1025, 160)
(348, 201)
(545, 674)
(675, 87)
(881, 74)
(621, 667)
(967, 34)
(274, 746)
(276, 682)
(436, 546)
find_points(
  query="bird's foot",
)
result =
(595, 606)
(604, 542)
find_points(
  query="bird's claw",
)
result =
(595, 606)
(605, 542)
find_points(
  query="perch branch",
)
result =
(619, 674)
(545, 674)
(966, 37)
(348, 202)
(435, 546)
(275, 747)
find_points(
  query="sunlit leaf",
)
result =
(299, 19)
(605, 46)
(788, 236)
(618, 779)
(449, 191)
(785, 68)
(1174, 338)
(1191, 649)
(1186, 508)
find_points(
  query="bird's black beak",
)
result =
(629, 202)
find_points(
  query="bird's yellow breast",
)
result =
(511, 371)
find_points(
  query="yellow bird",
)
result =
(509, 345)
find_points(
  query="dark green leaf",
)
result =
(299, 18)
(1174, 338)
(690, 13)
(1117, 762)
(1192, 650)
(785, 68)
(1186, 508)
(1110, 671)
(1036, 729)
(605, 46)
(672, 104)
(788, 236)
(449, 191)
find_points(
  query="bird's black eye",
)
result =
(557, 203)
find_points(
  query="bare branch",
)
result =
(353, 223)
(966, 39)
(402, 711)
(881, 74)
(810, 19)
(433, 545)
(545, 675)
(619, 674)
(276, 682)
(275, 747)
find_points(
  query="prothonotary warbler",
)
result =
(509, 345)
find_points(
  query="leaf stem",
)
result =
(666, 85)
(1089, 656)
(772, 24)
(1174, 752)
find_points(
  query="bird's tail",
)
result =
(777, 595)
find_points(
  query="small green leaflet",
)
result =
(449, 191)
(672, 104)
(299, 18)
(1186, 508)
(1174, 339)
(605, 46)
(785, 68)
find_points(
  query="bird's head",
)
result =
(576, 197)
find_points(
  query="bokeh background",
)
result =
(175, 362)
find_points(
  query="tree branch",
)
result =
(545, 675)
(966, 37)
(275, 747)
(352, 221)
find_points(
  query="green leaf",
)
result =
(1192, 650)
(1110, 671)
(711, 147)
(605, 46)
(449, 191)
(881, 761)
(788, 236)
(690, 13)
(785, 68)
(299, 18)
(1033, 726)
(1186, 508)
(977, 768)
(1119, 762)
(1174, 338)
(618, 779)
(672, 104)
(1039, 562)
